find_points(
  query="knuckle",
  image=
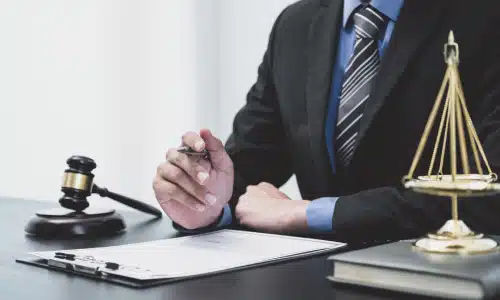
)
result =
(182, 197)
(270, 186)
(188, 135)
(199, 192)
(188, 201)
(173, 156)
(240, 216)
(172, 172)
(238, 211)
(176, 173)
(156, 183)
(242, 202)
(203, 166)
(171, 189)
(159, 169)
(198, 168)
(170, 152)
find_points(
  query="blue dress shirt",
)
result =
(320, 211)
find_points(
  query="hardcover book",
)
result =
(401, 268)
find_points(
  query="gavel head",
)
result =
(77, 183)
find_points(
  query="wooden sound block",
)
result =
(65, 223)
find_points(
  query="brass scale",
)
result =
(455, 126)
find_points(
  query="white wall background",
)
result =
(245, 26)
(119, 81)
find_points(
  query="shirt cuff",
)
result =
(227, 217)
(320, 214)
(224, 220)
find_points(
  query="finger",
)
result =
(177, 176)
(189, 165)
(205, 164)
(255, 191)
(241, 208)
(194, 141)
(271, 189)
(212, 143)
(267, 186)
(167, 191)
(215, 147)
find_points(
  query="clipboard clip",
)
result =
(72, 266)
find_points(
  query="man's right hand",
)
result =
(191, 190)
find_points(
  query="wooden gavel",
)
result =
(78, 185)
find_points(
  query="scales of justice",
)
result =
(455, 137)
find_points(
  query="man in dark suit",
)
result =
(341, 100)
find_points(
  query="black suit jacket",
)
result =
(280, 130)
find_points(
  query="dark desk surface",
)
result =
(302, 279)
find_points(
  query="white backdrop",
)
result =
(119, 81)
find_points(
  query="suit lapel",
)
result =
(321, 50)
(415, 23)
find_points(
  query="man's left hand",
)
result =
(265, 208)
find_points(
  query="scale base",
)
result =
(64, 223)
(456, 238)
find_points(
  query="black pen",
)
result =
(191, 152)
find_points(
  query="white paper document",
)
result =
(191, 255)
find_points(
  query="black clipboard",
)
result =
(111, 278)
(142, 284)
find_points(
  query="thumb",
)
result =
(214, 146)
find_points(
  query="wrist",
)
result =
(298, 216)
(210, 222)
(214, 216)
(218, 216)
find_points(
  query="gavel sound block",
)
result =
(75, 217)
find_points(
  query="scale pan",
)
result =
(460, 177)
(463, 186)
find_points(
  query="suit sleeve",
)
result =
(258, 145)
(392, 212)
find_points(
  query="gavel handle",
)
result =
(103, 192)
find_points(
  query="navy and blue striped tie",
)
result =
(359, 74)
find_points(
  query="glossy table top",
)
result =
(299, 279)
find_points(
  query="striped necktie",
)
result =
(359, 75)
